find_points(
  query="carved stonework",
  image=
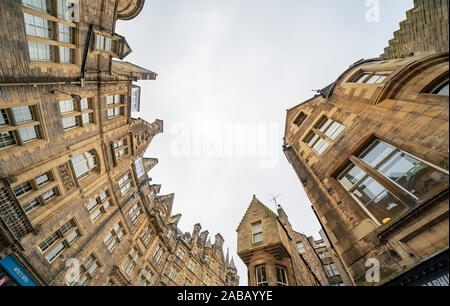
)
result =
(66, 176)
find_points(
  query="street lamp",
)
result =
(74, 96)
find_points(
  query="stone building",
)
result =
(371, 151)
(322, 260)
(77, 206)
(266, 244)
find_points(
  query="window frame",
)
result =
(405, 197)
(60, 237)
(115, 105)
(55, 44)
(115, 235)
(13, 126)
(258, 233)
(261, 281)
(281, 282)
(99, 206)
(318, 140)
(77, 112)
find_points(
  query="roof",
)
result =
(127, 69)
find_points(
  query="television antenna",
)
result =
(274, 199)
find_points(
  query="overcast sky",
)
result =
(227, 72)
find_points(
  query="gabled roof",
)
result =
(257, 204)
(149, 163)
(166, 201)
(135, 72)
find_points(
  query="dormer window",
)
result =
(372, 77)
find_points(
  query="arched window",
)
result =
(84, 164)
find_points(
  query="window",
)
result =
(84, 164)
(33, 185)
(320, 243)
(261, 276)
(322, 134)
(192, 265)
(281, 276)
(125, 184)
(300, 119)
(324, 254)
(85, 272)
(207, 280)
(180, 254)
(130, 261)
(115, 105)
(441, 89)
(104, 43)
(61, 45)
(19, 125)
(135, 212)
(139, 165)
(145, 278)
(372, 77)
(187, 282)
(257, 232)
(74, 113)
(40, 200)
(394, 170)
(169, 233)
(114, 237)
(40, 5)
(99, 205)
(331, 270)
(146, 235)
(59, 241)
(173, 274)
(301, 247)
(158, 253)
(120, 149)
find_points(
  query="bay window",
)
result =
(387, 181)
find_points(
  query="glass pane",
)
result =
(55, 252)
(48, 195)
(40, 5)
(22, 114)
(92, 205)
(69, 122)
(373, 79)
(413, 175)
(257, 228)
(361, 78)
(66, 106)
(22, 189)
(41, 180)
(324, 124)
(442, 89)
(376, 152)
(65, 33)
(385, 207)
(72, 237)
(368, 190)
(335, 130)
(7, 139)
(31, 205)
(65, 55)
(351, 176)
(84, 104)
(312, 138)
(3, 117)
(320, 146)
(28, 133)
(37, 26)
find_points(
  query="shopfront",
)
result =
(13, 274)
